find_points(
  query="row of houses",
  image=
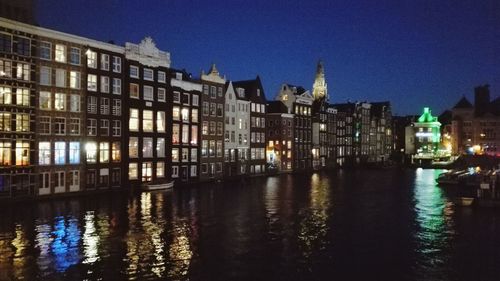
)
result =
(78, 114)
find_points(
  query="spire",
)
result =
(213, 70)
(320, 89)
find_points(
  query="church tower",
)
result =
(320, 89)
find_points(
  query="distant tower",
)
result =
(320, 89)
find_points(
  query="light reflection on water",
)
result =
(287, 227)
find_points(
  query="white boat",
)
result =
(158, 186)
(450, 178)
(463, 201)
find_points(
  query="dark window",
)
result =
(5, 43)
(23, 46)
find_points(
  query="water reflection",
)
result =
(435, 225)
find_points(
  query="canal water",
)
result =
(345, 225)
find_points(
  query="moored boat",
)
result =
(463, 201)
(158, 186)
(451, 177)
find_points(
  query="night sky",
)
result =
(413, 53)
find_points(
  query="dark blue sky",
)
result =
(413, 53)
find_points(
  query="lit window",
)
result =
(115, 152)
(195, 100)
(60, 102)
(104, 152)
(22, 122)
(59, 153)
(194, 135)
(44, 153)
(160, 147)
(132, 171)
(185, 115)
(23, 96)
(147, 121)
(91, 59)
(175, 155)
(194, 115)
(60, 53)
(175, 113)
(22, 153)
(133, 145)
(175, 133)
(104, 84)
(5, 95)
(185, 134)
(5, 153)
(134, 91)
(74, 152)
(91, 152)
(92, 82)
(74, 80)
(134, 120)
(147, 147)
(23, 71)
(74, 126)
(160, 121)
(74, 103)
(160, 169)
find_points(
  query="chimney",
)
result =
(481, 100)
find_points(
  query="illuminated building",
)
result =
(212, 119)
(380, 148)
(280, 138)
(474, 128)
(186, 123)
(423, 136)
(299, 103)
(236, 132)
(254, 92)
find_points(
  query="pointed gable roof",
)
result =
(463, 103)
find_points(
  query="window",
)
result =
(23, 46)
(219, 91)
(22, 122)
(134, 91)
(160, 147)
(134, 120)
(115, 152)
(147, 147)
(133, 147)
(5, 153)
(213, 92)
(91, 152)
(92, 104)
(22, 96)
(175, 155)
(175, 113)
(211, 150)
(219, 148)
(104, 152)
(132, 171)
(45, 76)
(92, 82)
(160, 121)
(74, 179)
(212, 128)
(147, 121)
(117, 64)
(193, 171)
(44, 125)
(60, 78)
(43, 153)
(117, 128)
(104, 84)
(60, 181)
(161, 77)
(194, 135)
(5, 43)
(213, 109)
(117, 107)
(59, 153)
(148, 93)
(5, 122)
(104, 106)
(59, 126)
(117, 86)
(74, 56)
(92, 127)
(60, 53)
(185, 155)
(74, 80)
(23, 71)
(104, 128)
(194, 155)
(204, 128)
(134, 71)
(22, 153)
(185, 115)
(185, 133)
(5, 95)
(91, 59)
(175, 171)
(45, 51)
(194, 115)
(75, 103)
(148, 74)
(60, 102)
(74, 126)
(195, 100)
(160, 169)
(74, 152)
(5, 68)
(204, 148)
(162, 96)
(175, 133)
(185, 98)
(177, 97)
(219, 128)
(104, 61)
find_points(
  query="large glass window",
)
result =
(133, 147)
(134, 120)
(147, 121)
(59, 153)
(22, 153)
(176, 113)
(175, 155)
(104, 152)
(44, 153)
(185, 115)
(22, 122)
(60, 53)
(5, 153)
(5, 120)
(5, 95)
(91, 152)
(23, 96)
(147, 147)
(74, 152)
